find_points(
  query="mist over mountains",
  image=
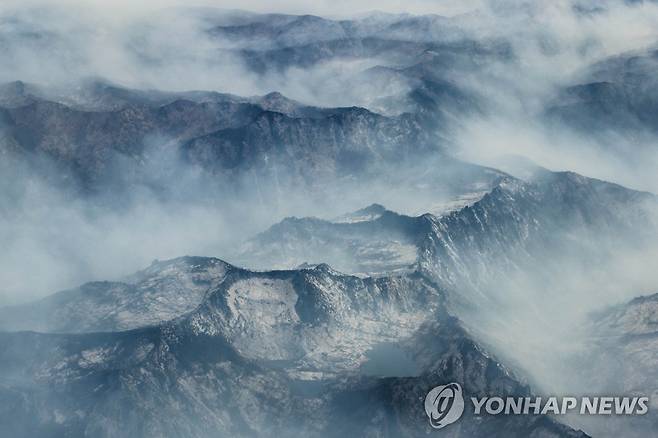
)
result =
(296, 220)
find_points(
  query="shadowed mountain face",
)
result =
(617, 95)
(483, 255)
(323, 323)
(613, 105)
(511, 226)
(393, 111)
(108, 137)
(284, 344)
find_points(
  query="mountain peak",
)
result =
(369, 213)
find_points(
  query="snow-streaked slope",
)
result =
(226, 369)
(637, 317)
(385, 243)
(508, 230)
(161, 292)
(621, 357)
(315, 319)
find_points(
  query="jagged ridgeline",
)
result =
(316, 351)
(121, 137)
(352, 245)
(262, 353)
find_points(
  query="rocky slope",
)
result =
(621, 358)
(105, 137)
(468, 274)
(164, 291)
(626, 335)
(615, 95)
(507, 230)
(264, 354)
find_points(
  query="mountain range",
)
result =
(391, 256)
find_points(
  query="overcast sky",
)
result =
(318, 7)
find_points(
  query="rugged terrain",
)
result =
(266, 354)
(513, 280)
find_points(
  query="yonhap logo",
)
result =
(444, 405)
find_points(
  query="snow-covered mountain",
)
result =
(248, 136)
(263, 354)
(313, 334)
(508, 229)
(621, 357)
(162, 292)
